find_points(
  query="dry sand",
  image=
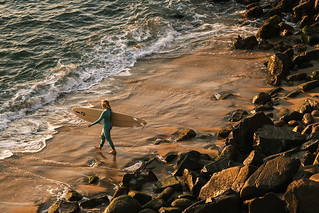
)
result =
(169, 94)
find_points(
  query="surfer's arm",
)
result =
(99, 120)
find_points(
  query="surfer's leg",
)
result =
(102, 139)
(108, 137)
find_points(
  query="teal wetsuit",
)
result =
(107, 126)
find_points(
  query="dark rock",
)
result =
(141, 197)
(170, 210)
(255, 158)
(308, 85)
(286, 29)
(217, 166)
(293, 93)
(316, 161)
(271, 140)
(230, 152)
(282, 6)
(274, 81)
(279, 65)
(192, 208)
(147, 211)
(94, 202)
(223, 133)
(183, 134)
(270, 202)
(246, 2)
(194, 181)
(122, 190)
(254, 12)
(270, 28)
(242, 135)
(310, 34)
(247, 43)
(155, 204)
(306, 57)
(283, 112)
(182, 203)
(93, 179)
(169, 157)
(73, 196)
(274, 176)
(261, 98)
(315, 75)
(160, 141)
(279, 123)
(307, 119)
(297, 77)
(311, 145)
(123, 203)
(305, 108)
(188, 196)
(229, 202)
(303, 8)
(292, 116)
(63, 206)
(293, 123)
(266, 107)
(302, 196)
(137, 179)
(222, 96)
(191, 160)
(172, 182)
(166, 194)
(265, 45)
(274, 92)
(219, 183)
(305, 20)
(244, 173)
(236, 115)
(315, 113)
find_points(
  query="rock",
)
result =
(230, 152)
(314, 75)
(255, 158)
(222, 96)
(242, 134)
(246, 2)
(121, 190)
(183, 134)
(310, 34)
(245, 44)
(306, 57)
(254, 12)
(160, 141)
(155, 204)
(307, 119)
(141, 197)
(267, 107)
(279, 65)
(297, 77)
(293, 93)
(93, 179)
(305, 108)
(270, 202)
(182, 203)
(315, 113)
(191, 160)
(292, 116)
(286, 29)
(63, 206)
(303, 8)
(270, 28)
(316, 161)
(194, 181)
(170, 210)
(223, 133)
(123, 203)
(217, 166)
(261, 98)
(244, 173)
(311, 145)
(147, 211)
(315, 177)
(172, 182)
(293, 123)
(94, 202)
(271, 140)
(274, 92)
(236, 115)
(308, 85)
(73, 196)
(282, 6)
(137, 179)
(166, 194)
(265, 45)
(228, 202)
(302, 196)
(274, 176)
(219, 183)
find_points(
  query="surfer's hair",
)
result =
(105, 103)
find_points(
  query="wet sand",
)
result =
(169, 94)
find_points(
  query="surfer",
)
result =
(107, 126)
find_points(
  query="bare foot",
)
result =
(112, 152)
(98, 147)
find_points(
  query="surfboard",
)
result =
(118, 119)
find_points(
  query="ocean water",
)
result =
(54, 52)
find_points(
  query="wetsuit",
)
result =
(107, 126)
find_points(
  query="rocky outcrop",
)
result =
(123, 203)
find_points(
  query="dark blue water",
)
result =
(50, 48)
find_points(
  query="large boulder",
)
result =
(302, 196)
(270, 28)
(123, 203)
(306, 7)
(244, 173)
(217, 166)
(242, 135)
(171, 181)
(194, 181)
(254, 12)
(245, 43)
(270, 202)
(271, 139)
(279, 65)
(254, 158)
(274, 175)
(219, 183)
(261, 98)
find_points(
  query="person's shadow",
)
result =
(114, 164)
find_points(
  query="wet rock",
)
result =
(308, 85)
(137, 179)
(147, 211)
(194, 181)
(219, 183)
(274, 176)
(245, 43)
(73, 196)
(279, 65)
(270, 28)
(265, 45)
(242, 135)
(270, 202)
(254, 158)
(223, 133)
(310, 145)
(236, 115)
(182, 203)
(121, 190)
(297, 77)
(166, 194)
(307, 119)
(230, 152)
(63, 206)
(191, 160)
(254, 12)
(93, 179)
(314, 75)
(293, 93)
(141, 197)
(170, 210)
(310, 34)
(306, 57)
(183, 134)
(155, 204)
(261, 98)
(315, 113)
(94, 202)
(292, 116)
(316, 161)
(274, 92)
(271, 140)
(172, 182)
(298, 128)
(293, 123)
(217, 166)
(246, 2)
(244, 173)
(303, 8)
(286, 29)
(266, 107)
(123, 203)
(305, 108)
(302, 196)
(222, 96)
(160, 141)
